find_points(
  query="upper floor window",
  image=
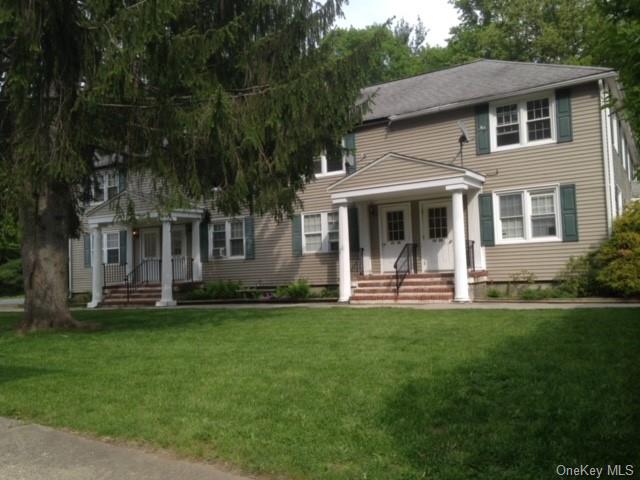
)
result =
(614, 131)
(106, 184)
(523, 122)
(227, 238)
(623, 154)
(528, 215)
(320, 232)
(338, 161)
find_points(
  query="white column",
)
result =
(364, 235)
(195, 251)
(166, 300)
(96, 267)
(345, 261)
(473, 216)
(129, 249)
(461, 279)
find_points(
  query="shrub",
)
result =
(494, 293)
(219, 290)
(11, 278)
(578, 278)
(329, 292)
(298, 289)
(543, 293)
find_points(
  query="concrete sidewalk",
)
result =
(33, 452)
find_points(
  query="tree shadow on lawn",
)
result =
(567, 394)
(9, 373)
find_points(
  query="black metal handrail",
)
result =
(405, 263)
(471, 257)
(182, 269)
(147, 271)
(113, 273)
(357, 261)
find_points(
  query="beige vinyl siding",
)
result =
(80, 276)
(393, 171)
(579, 162)
(620, 174)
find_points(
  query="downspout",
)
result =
(607, 154)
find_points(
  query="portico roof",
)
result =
(394, 175)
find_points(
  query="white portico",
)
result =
(412, 212)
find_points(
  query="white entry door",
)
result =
(179, 252)
(436, 236)
(150, 255)
(395, 232)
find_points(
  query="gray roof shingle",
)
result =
(479, 80)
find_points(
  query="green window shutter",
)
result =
(563, 116)
(486, 220)
(123, 247)
(204, 241)
(483, 136)
(122, 180)
(249, 239)
(350, 146)
(569, 213)
(354, 234)
(296, 236)
(87, 250)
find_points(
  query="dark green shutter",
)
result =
(486, 220)
(350, 146)
(204, 241)
(87, 250)
(296, 236)
(354, 234)
(569, 213)
(483, 137)
(123, 247)
(563, 114)
(122, 180)
(249, 239)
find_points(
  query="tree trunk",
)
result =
(45, 223)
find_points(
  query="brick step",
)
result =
(123, 297)
(404, 289)
(407, 281)
(440, 298)
(379, 276)
(412, 296)
(122, 288)
(116, 302)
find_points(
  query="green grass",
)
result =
(344, 393)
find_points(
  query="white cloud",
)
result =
(437, 15)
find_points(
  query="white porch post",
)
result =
(345, 261)
(166, 300)
(96, 267)
(129, 249)
(459, 245)
(195, 251)
(364, 235)
(473, 216)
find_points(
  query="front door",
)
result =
(150, 255)
(179, 252)
(436, 235)
(395, 223)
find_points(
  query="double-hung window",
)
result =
(111, 247)
(227, 239)
(528, 215)
(333, 163)
(320, 232)
(623, 154)
(105, 185)
(614, 131)
(520, 123)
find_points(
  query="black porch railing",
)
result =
(146, 272)
(182, 269)
(113, 273)
(405, 263)
(471, 257)
(357, 261)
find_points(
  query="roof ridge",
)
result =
(557, 65)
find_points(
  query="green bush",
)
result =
(578, 278)
(543, 293)
(329, 292)
(298, 290)
(494, 293)
(219, 290)
(11, 278)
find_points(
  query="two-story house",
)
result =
(455, 177)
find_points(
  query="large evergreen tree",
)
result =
(232, 95)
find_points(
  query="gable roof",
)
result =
(475, 82)
(397, 169)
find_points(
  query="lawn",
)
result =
(344, 393)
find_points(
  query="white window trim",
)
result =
(522, 121)
(614, 131)
(105, 186)
(526, 215)
(619, 204)
(104, 247)
(324, 233)
(227, 238)
(334, 173)
(623, 154)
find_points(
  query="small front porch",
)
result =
(144, 263)
(416, 219)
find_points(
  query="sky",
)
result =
(437, 15)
